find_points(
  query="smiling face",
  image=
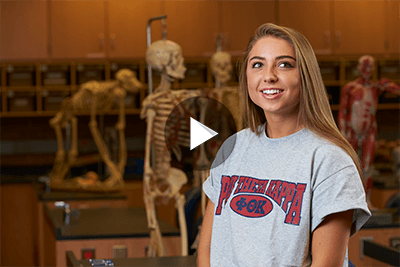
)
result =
(273, 79)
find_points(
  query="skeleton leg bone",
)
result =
(120, 127)
(156, 247)
(180, 206)
(73, 153)
(60, 167)
(115, 178)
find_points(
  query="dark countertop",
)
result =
(14, 179)
(383, 218)
(100, 223)
(188, 261)
(71, 196)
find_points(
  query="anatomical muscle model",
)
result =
(94, 97)
(357, 120)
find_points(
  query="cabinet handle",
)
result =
(327, 38)
(112, 41)
(101, 41)
(338, 37)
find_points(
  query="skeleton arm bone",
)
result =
(150, 114)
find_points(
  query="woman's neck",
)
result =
(280, 127)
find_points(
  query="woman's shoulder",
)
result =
(325, 149)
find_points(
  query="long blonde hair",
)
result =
(314, 109)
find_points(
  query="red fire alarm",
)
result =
(88, 253)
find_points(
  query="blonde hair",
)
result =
(314, 109)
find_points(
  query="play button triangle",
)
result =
(199, 133)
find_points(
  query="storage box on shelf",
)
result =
(389, 69)
(37, 89)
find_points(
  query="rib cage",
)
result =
(164, 103)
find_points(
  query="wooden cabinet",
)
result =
(127, 21)
(343, 27)
(359, 27)
(18, 224)
(392, 44)
(312, 19)
(193, 26)
(239, 20)
(117, 28)
(77, 29)
(23, 30)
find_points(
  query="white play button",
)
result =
(185, 135)
(199, 133)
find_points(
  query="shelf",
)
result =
(388, 106)
(44, 159)
(44, 113)
(19, 88)
(335, 69)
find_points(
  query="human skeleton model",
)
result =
(161, 180)
(221, 67)
(357, 120)
(92, 97)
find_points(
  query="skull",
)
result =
(221, 66)
(127, 80)
(166, 57)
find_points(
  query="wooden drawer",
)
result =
(330, 71)
(20, 75)
(351, 70)
(389, 69)
(86, 73)
(21, 101)
(55, 74)
(52, 99)
(195, 73)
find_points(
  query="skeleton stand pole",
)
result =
(149, 73)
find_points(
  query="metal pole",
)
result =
(219, 49)
(149, 73)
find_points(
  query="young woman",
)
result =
(290, 193)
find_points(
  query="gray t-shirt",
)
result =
(270, 194)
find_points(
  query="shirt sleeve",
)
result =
(210, 187)
(340, 191)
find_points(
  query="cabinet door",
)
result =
(193, 26)
(312, 19)
(392, 27)
(240, 20)
(128, 24)
(77, 29)
(23, 30)
(359, 27)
